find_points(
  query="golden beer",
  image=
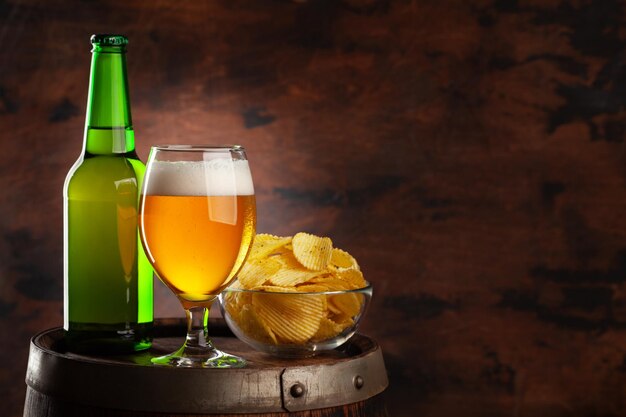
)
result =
(198, 243)
(197, 222)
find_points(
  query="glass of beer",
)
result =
(197, 220)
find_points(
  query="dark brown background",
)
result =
(469, 154)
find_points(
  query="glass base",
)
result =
(200, 358)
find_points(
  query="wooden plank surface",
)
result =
(469, 154)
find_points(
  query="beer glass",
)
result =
(197, 220)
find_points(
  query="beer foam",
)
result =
(215, 177)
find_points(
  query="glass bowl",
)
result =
(294, 324)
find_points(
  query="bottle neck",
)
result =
(108, 127)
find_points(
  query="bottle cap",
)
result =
(109, 40)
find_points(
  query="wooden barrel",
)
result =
(343, 382)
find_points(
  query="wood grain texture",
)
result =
(470, 154)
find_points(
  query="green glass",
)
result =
(107, 277)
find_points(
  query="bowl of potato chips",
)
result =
(296, 296)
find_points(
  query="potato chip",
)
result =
(254, 327)
(348, 304)
(344, 324)
(327, 329)
(235, 300)
(265, 244)
(331, 283)
(293, 319)
(313, 252)
(289, 261)
(341, 259)
(256, 272)
(235, 284)
(353, 277)
(273, 288)
(233, 307)
(291, 272)
(311, 288)
(291, 277)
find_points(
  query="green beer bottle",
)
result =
(107, 277)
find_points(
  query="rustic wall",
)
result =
(469, 154)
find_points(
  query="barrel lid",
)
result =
(352, 373)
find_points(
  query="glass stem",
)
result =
(197, 333)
